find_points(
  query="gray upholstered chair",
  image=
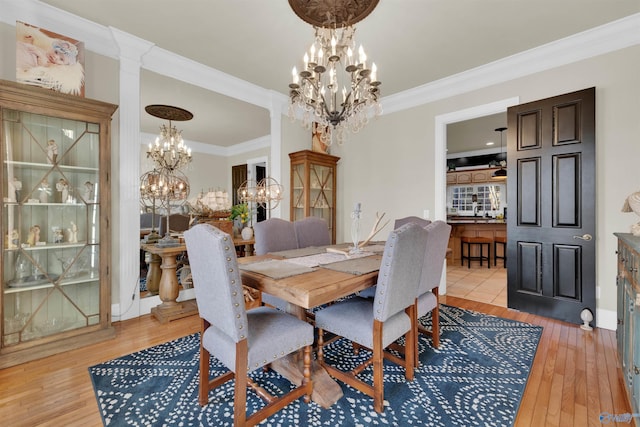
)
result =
(370, 292)
(177, 223)
(416, 220)
(273, 235)
(377, 323)
(242, 340)
(434, 258)
(312, 231)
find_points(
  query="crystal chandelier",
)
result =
(337, 86)
(169, 152)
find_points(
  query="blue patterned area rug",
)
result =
(476, 378)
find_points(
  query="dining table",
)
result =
(307, 278)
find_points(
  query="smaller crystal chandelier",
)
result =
(335, 87)
(169, 151)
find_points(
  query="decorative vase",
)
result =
(247, 233)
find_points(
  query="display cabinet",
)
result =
(628, 329)
(56, 286)
(313, 187)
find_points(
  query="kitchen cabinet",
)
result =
(313, 187)
(628, 329)
(474, 176)
(56, 227)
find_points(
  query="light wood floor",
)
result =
(575, 374)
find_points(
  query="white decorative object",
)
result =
(632, 204)
(587, 317)
(247, 233)
(52, 152)
(14, 187)
(63, 188)
(73, 233)
(355, 228)
(88, 191)
(45, 191)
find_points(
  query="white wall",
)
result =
(389, 166)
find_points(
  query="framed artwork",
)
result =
(49, 60)
(318, 138)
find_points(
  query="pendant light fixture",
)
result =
(500, 174)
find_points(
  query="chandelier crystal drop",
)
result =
(337, 86)
(169, 152)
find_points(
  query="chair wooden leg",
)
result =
(320, 345)
(306, 372)
(240, 391)
(410, 350)
(203, 390)
(435, 320)
(378, 372)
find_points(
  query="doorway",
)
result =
(485, 285)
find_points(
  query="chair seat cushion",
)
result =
(274, 301)
(426, 303)
(272, 334)
(353, 319)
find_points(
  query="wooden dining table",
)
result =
(303, 292)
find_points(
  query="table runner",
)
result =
(326, 258)
(295, 253)
(276, 268)
(356, 266)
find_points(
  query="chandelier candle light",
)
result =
(169, 154)
(335, 87)
(169, 151)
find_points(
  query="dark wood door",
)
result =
(238, 177)
(551, 192)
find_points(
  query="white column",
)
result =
(275, 114)
(126, 242)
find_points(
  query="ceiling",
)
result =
(413, 42)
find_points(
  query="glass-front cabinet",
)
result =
(313, 187)
(55, 222)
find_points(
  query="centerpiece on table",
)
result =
(240, 216)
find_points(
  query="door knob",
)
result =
(586, 237)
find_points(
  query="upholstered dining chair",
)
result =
(242, 340)
(434, 258)
(312, 231)
(377, 323)
(416, 220)
(370, 292)
(177, 223)
(273, 235)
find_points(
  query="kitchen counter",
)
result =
(473, 227)
(474, 220)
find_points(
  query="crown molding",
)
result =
(96, 38)
(606, 38)
(167, 63)
(216, 150)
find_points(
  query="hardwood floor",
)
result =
(575, 374)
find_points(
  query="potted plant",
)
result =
(240, 216)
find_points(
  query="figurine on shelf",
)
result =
(63, 188)
(88, 191)
(34, 235)
(13, 238)
(73, 233)
(45, 191)
(58, 237)
(52, 152)
(13, 192)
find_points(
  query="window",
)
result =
(487, 197)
